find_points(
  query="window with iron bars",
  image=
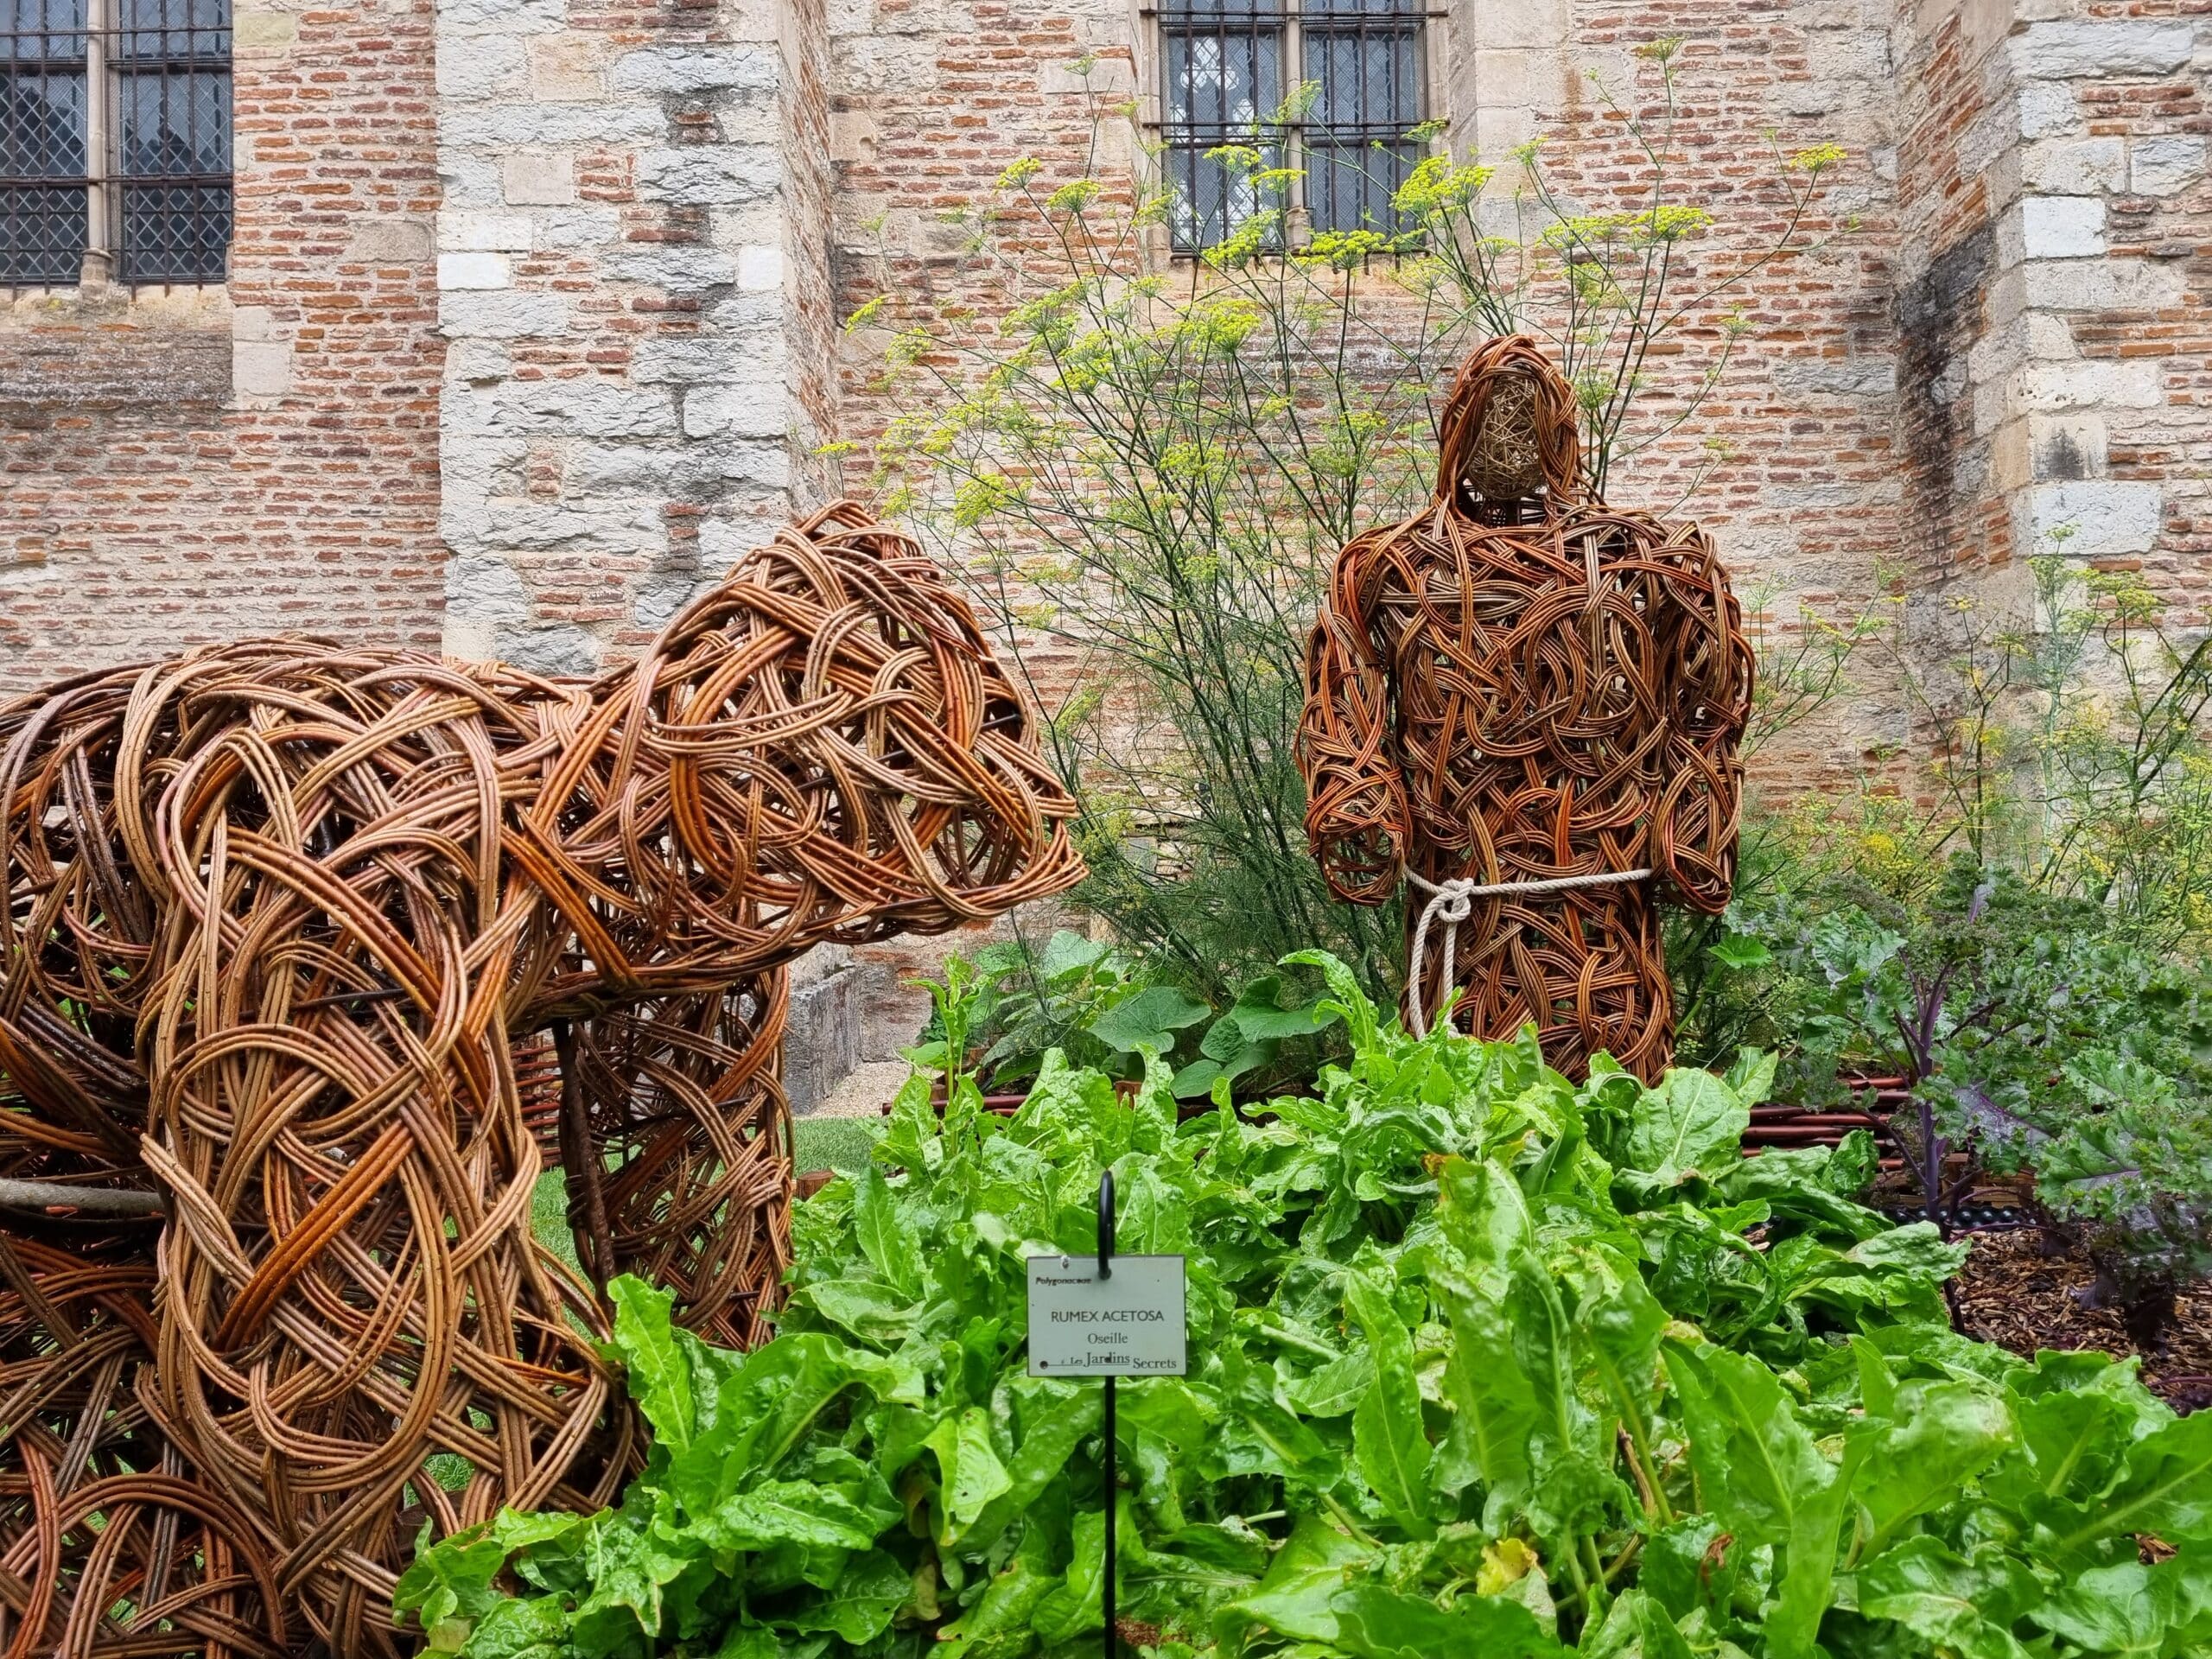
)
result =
(114, 141)
(1229, 72)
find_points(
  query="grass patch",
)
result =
(838, 1143)
(548, 1216)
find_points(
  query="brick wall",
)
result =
(1791, 461)
(932, 100)
(188, 465)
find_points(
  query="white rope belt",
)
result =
(1451, 902)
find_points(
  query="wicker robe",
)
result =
(1520, 684)
(290, 928)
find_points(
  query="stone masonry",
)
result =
(2103, 411)
(634, 292)
(2052, 289)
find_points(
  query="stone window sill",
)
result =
(115, 346)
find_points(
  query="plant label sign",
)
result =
(1130, 1323)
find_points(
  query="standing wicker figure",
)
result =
(1526, 704)
(289, 924)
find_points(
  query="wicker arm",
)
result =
(1356, 816)
(1700, 809)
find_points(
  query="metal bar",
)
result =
(114, 30)
(1298, 220)
(1113, 1438)
(101, 206)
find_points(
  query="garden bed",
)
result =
(2011, 1296)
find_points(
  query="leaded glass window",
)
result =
(42, 219)
(115, 140)
(173, 128)
(1330, 89)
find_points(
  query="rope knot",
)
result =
(1454, 901)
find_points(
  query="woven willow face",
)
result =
(1505, 463)
(844, 757)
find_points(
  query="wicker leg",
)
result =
(690, 1122)
(358, 1333)
(584, 1166)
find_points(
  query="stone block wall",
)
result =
(1958, 170)
(2108, 255)
(824, 1038)
(2052, 293)
(635, 303)
(186, 465)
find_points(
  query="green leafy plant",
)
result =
(2120, 1151)
(2030, 1033)
(1481, 1362)
(2025, 951)
(1098, 1007)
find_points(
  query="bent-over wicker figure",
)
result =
(1526, 704)
(291, 927)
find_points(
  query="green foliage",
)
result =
(1149, 475)
(2031, 1032)
(2026, 950)
(1097, 1005)
(2071, 745)
(1481, 1362)
(1731, 990)
(838, 1143)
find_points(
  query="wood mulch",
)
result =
(2010, 1295)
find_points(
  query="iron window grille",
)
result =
(114, 141)
(1231, 78)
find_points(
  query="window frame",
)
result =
(1427, 21)
(115, 53)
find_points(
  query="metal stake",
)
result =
(1113, 1472)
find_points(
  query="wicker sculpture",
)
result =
(1526, 704)
(289, 928)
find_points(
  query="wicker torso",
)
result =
(1555, 693)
